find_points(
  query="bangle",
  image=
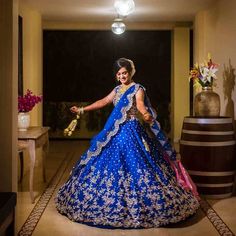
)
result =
(80, 111)
(146, 113)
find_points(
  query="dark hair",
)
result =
(122, 62)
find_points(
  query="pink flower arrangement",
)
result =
(27, 102)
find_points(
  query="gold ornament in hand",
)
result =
(71, 127)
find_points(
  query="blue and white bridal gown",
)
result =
(127, 179)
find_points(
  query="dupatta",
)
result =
(169, 152)
(117, 117)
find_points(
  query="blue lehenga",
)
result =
(125, 179)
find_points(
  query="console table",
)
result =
(31, 139)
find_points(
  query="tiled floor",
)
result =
(42, 218)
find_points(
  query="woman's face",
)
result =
(123, 76)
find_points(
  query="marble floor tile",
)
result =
(62, 157)
(226, 209)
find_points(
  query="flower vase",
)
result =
(23, 121)
(207, 103)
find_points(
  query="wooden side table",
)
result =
(31, 139)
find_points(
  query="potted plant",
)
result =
(25, 104)
(206, 102)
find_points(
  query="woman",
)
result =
(127, 178)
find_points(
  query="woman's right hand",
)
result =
(74, 109)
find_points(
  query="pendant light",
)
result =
(118, 26)
(124, 7)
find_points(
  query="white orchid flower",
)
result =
(212, 71)
(204, 73)
(208, 74)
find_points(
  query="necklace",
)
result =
(124, 87)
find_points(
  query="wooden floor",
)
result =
(215, 217)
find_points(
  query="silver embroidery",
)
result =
(148, 203)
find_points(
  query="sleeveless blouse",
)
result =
(132, 113)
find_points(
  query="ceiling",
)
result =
(103, 10)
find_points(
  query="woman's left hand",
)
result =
(147, 117)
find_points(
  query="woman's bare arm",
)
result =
(141, 106)
(98, 104)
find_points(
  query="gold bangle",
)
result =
(146, 113)
(80, 111)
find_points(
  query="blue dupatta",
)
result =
(170, 154)
(117, 117)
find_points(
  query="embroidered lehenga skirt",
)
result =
(127, 183)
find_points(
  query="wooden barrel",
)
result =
(207, 149)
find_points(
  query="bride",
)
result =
(127, 178)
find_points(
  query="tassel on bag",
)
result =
(71, 127)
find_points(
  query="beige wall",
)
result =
(179, 81)
(32, 67)
(32, 57)
(8, 94)
(215, 32)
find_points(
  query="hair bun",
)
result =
(132, 66)
(124, 62)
